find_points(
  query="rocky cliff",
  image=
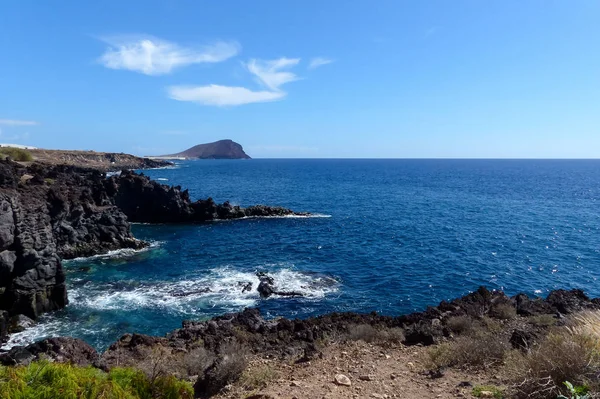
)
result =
(54, 212)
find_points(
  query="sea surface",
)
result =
(388, 235)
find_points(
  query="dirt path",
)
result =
(373, 372)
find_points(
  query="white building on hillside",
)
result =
(23, 147)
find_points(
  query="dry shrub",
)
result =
(163, 360)
(258, 378)
(370, 334)
(228, 368)
(438, 356)
(16, 154)
(504, 311)
(478, 350)
(460, 324)
(570, 354)
(543, 320)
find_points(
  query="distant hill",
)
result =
(222, 149)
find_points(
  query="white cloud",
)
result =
(222, 95)
(152, 56)
(13, 122)
(319, 61)
(269, 74)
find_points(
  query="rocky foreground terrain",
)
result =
(54, 212)
(342, 355)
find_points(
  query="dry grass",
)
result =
(478, 350)
(370, 334)
(16, 154)
(569, 354)
(460, 324)
(163, 360)
(258, 378)
(504, 311)
(543, 320)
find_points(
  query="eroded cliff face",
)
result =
(46, 214)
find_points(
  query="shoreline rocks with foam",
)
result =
(298, 340)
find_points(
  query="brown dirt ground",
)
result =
(374, 372)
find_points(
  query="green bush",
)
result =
(16, 154)
(45, 380)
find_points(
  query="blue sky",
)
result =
(306, 79)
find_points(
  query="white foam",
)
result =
(43, 329)
(310, 216)
(118, 253)
(162, 179)
(220, 287)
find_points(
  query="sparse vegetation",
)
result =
(16, 154)
(54, 380)
(370, 334)
(504, 311)
(543, 320)
(477, 350)
(487, 391)
(259, 378)
(571, 354)
(460, 324)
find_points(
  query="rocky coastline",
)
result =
(199, 351)
(53, 212)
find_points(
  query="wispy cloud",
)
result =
(222, 95)
(319, 61)
(152, 56)
(14, 122)
(269, 74)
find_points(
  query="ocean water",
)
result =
(388, 235)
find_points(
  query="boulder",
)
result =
(341, 379)
(60, 349)
(19, 323)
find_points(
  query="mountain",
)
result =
(222, 149)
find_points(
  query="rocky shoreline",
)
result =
(197, 350)
(53, 212)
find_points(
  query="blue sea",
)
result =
(388, 235)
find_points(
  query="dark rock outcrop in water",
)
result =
(222, 149)
(144, 200)
(49, 213)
